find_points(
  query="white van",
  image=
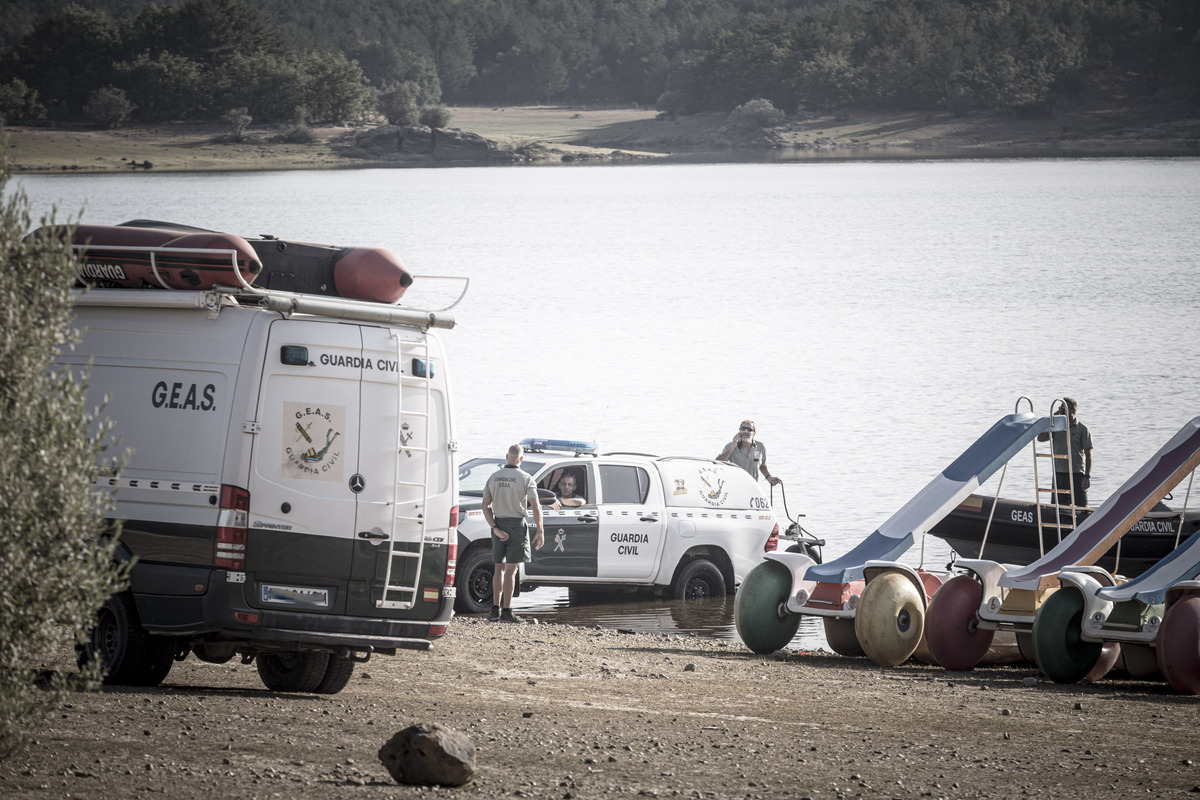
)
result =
(291, 493)
(690, 528)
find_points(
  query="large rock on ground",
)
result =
(428, 754)
(391, 142)
(452, 144)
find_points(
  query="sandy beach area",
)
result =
(575, 712)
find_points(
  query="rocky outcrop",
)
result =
(395, 143)
(732, 135)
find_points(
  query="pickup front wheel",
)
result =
(474, 581)
(698, 580)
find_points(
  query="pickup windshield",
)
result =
(474, 474)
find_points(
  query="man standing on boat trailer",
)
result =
(1081, 457)
(748, 454)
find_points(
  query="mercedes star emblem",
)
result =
(357, 484)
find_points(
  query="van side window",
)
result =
(624, 484)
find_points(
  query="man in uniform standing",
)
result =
(1079, 476)
(504, 497)
(748, 454)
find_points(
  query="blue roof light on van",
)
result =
(560, 445)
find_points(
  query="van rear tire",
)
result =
(474, 581)
(293, 671)
(700, 579)
(128, 654)
(337, 675)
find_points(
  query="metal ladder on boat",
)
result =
(1060, 524)
(401, 595)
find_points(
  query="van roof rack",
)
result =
(286, 303)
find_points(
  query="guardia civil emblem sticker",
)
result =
(712, 487)
(312, 441)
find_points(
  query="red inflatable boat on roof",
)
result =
(149, 253)
(114, 255)
(356, 273)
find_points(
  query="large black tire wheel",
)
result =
(473, 580)
(699, 580)
(293, 671)
(337, 675)
(127, 654)
(1059, 649)
(759, 611)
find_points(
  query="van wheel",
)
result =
(292, 671)
(128, 654)
(474, 582)
(337, 675)
(699, 580)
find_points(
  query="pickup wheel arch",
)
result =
(698, 578)
(716, 556)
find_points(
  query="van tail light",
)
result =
(452, 551)
(451, 563)
(231, 529)
(772, 540)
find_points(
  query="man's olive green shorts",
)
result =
(516, 549)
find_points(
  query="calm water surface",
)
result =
(873, 317)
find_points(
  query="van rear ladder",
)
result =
(401, 595)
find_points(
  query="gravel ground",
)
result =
(573, 712)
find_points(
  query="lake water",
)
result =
(874, 318)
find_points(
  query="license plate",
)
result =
(299, 596)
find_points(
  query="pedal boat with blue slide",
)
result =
(871, 603)
(989, 596)
(1150, 622)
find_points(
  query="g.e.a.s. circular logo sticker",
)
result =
(712, 487)
(312, 441)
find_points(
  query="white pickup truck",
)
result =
(687, 527)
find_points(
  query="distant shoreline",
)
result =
(563, 135)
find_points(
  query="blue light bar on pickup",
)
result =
(563, 445)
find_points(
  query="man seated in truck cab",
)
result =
(564, 483)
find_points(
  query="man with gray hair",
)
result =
(505, 494)
(743, 451)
